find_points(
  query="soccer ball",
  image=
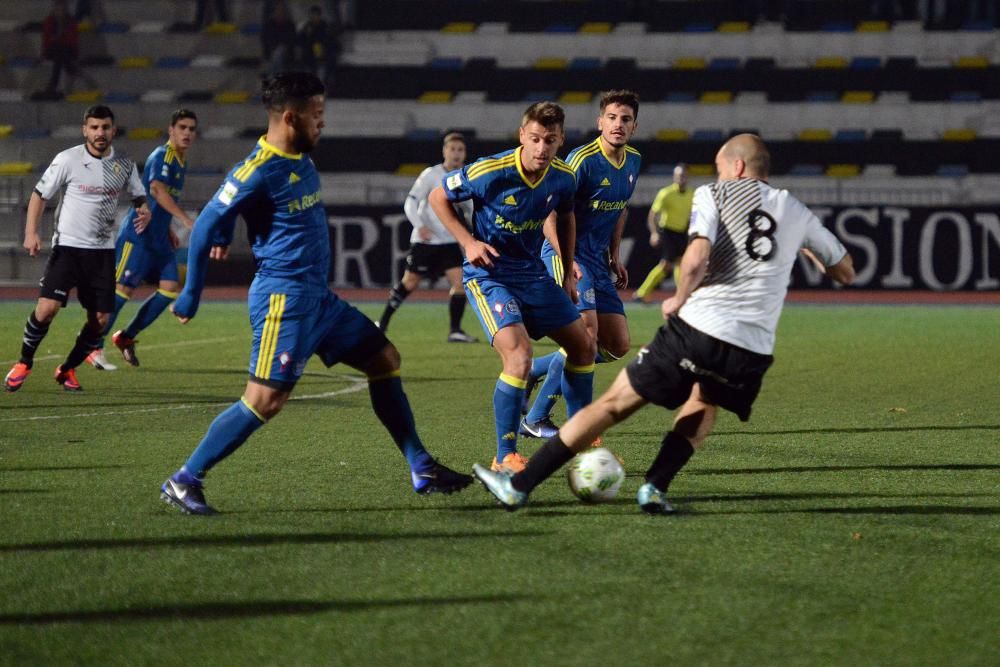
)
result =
(595, 475)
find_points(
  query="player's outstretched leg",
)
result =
(397, 294)
(34, 332)
(456, 308)
(86, 342)
(96, 358)
(539, 367)
(150, 309)
(675, 451)
(185, 488)
(537, 422)
(393, 410)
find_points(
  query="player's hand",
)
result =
(33, 244)
(174, 241)
(577, 271)
(654, 240)
(621, 274)
(183, 319)
(185, 306)
(670, 306)
(142, 218)
(219, 252)
(569, 285)
(424, 234)
(481, 254)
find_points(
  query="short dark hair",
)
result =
(290, 90)
(453, 136)
(626, 98)
(546, 114)
(181, 114)
(98, 111)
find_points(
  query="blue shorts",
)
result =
(595, 289)
(135, 263)
(289, 328)
(540, 305)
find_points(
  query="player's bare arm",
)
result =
(167, 202)
(621, 273)
(654, 231)
(842, 271)
(478, 253)
(694, 266)
(566, 231)
(32, 241)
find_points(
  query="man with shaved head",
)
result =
(716, 343)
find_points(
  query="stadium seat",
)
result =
(843, 170)
(435, 97)
(857, 97)
(15, 168)
(411, 168)
(671, 134)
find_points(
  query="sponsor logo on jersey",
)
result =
(512, 308)
(304, 203)
(294, 178)
(510, 201)
(601, 205)
(589, 295)
(227, 193)
(518, 228)
(631, 178)
(285, 359)
(454, 181)
(605, 181)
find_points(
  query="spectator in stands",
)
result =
(319, 43)
(61, 45)
(201, 12)
(279, 39)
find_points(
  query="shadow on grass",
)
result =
(888, 509)
(13, 491)
(259, 540)
(61, 468)
(861, 429)
(250, 609)
(886, 467)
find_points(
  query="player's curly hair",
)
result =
(626, 98)
(181, 114)
(546, 114)
(290, 90)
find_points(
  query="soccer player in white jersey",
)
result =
(91, 177)
(433, 250)
(718, 337)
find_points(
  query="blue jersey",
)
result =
(278, 195)
(509, 211)
(603, 189)
(164, 164)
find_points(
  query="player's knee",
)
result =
(583, 353)
(613, 350)
(386, 360)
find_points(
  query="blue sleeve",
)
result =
(156, 169)
(214, 226)
(565, 203)
(457, 185)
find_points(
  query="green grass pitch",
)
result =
(854, 520)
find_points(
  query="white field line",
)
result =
(155, 346)
(357, 385)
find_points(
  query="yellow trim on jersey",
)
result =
(513, 381)
(583, 154)
(280, 153)
(489, 164)
(168, 294)
(557, 269)
(484, 307)
(571, 368)
(172, 155)
(608, 157)
(524, 177)
(123, 294)
(250, 166)
(126, 251)
(269, 338)
(629, 149)
(243, 399)
(562, 166)
(383, 376)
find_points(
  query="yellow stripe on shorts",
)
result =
(126, 251)
(484, 308)
(557, 269)
(269, 338)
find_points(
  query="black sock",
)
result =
(549, 458)
(34, 332)
(86, 342)
(397, 295)
(674, 453)
(456, 308)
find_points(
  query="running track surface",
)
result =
(844, 296)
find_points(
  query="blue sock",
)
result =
(540, 365)
(507, 411)
(120, 301)
(578, 387)
(393, 410)
(229, 430)
(149, 311)
(550, 391)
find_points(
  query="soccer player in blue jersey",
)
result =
(607, 170)
(505, 279)
(149, 254)
(293, 313)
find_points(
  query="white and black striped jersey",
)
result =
(420, 214)
(756, 232)
(90, 187)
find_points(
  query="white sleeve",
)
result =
(54, 177)
(704, 215)
(135, 186)
(417, 198)
(821, 241)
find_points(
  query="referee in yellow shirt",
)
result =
(668, 225)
